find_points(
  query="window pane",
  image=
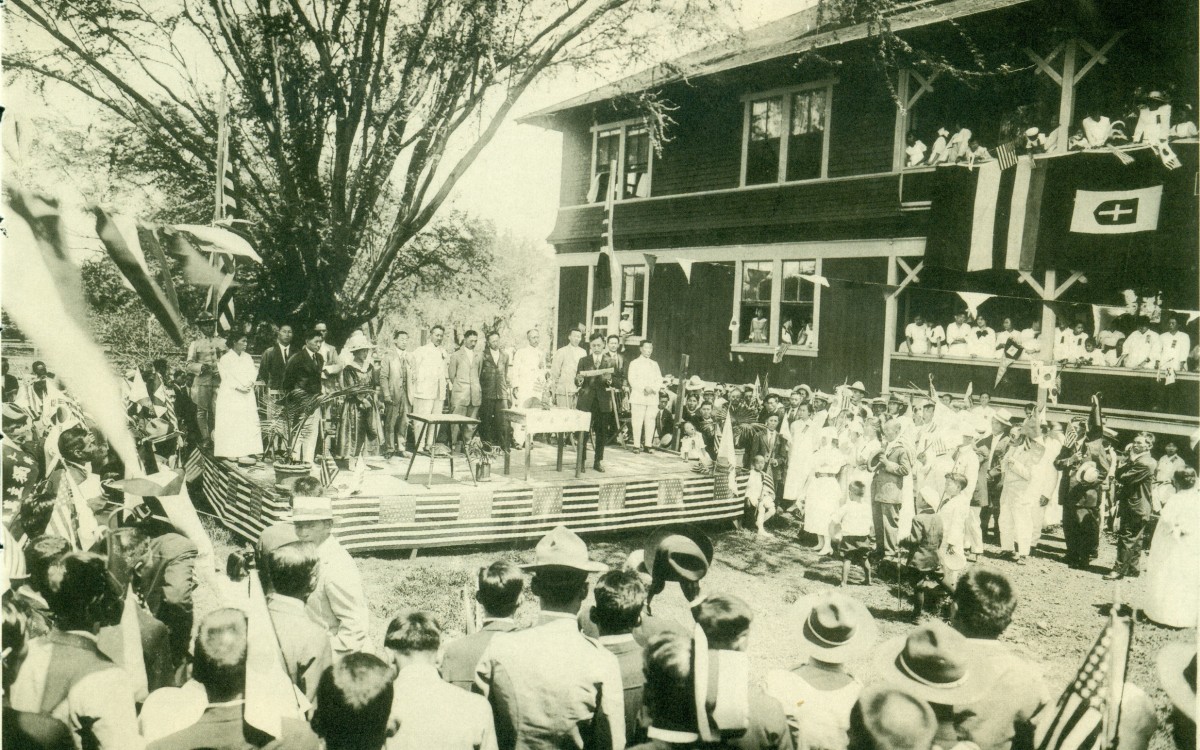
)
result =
(796, 289)
(753, 323)
(807, 135)
(637, 163)
(608, 144)
(762, 152)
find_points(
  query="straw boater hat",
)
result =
(1158, 96)
(308, 508)
(1177, 673)
(562, 549)
(1031, 132)
(836, 628)
(808, 392)
(694, 383)
(937, 664)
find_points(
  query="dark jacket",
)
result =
(757, 446)
(633, 677)
(303, 371)
(593, 393)
(493, 376)
(165, 580)
(923, 542)
(272, 366)
(462, 654)
(1134, 485)
(886, 486)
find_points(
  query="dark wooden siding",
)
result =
(692, 318)
(862, 125)
(576, 165)
(572, 299)
(705, 147)
(842, 209)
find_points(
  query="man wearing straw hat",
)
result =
(338, 602)
(550, 685)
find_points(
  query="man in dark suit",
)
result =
(620, 598)
(887, 484)
(274, 360)
(500, 588)
(594, 394)
(466, 391)
(493, 381)
(772, 446)
(1134, 480)
(303, 372)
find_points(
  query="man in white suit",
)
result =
(645, 381)
(427, 379)
(562, 371)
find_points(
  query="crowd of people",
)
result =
(970, 336)
(1150, 120)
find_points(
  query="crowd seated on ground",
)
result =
(1148, 346)
(1148, 120)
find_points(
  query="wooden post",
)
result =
(889, 326)
(683, 367)
(1048, 328)
(1066, 100)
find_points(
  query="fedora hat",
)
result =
(562, 548)
(14, 414)
(308, 508)
(1177, 673)
(937, 664)
(694, 383)
(836, 628)
(678, 552)
(802, 388)
(857, 385)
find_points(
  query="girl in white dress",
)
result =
(1172, 589)
(825, 491)
(237, 433)
(802, 435)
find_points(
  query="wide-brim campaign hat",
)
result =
(694, 383)
(309, 508)
(14, 414)
(937, 664)
(857, 385)
(835, 628)
(562, 549)
(678, 552)
(1177, 673)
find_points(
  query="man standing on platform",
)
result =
(528, 371)
(274, 360)
(427, 380)
(202, 359)
(615, 348)
(1134, 485)
(493, 378)
(393, 383)
(645, 381)
(595, 395)
(563, 368)
(465, 393)
(303, 372)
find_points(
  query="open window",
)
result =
(776, 305)
(797, 306)
(621, 158)
(787, 135)
(633, 300)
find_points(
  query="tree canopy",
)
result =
(351, 120)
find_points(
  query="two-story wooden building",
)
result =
(781, 207)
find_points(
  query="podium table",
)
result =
(433, 422)
(550, 422)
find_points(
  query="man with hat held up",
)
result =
(550, 685)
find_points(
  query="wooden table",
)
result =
(550, 422)
(434, 421)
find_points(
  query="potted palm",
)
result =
(284, 418)
(743, 411)
(482, 453)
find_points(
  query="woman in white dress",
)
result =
(1172, 588)
(802, 434)
(825, 492)
(237, 433)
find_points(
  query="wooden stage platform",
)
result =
(377, 510)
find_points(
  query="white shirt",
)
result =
(1032, 342)
(1141, 349)
(916, 153)
(562, 370)
(1153, 125)
(1173, 349)
(1069, 345)
(981, 343)
(1110, 338)
(645, 381)
(429, 712)
(427, 373)
(938, 153)
(937, 336)
(1097, 132)
(527, 370)
(956, 331)
(918, 338)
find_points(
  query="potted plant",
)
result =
(482, 452)
(284, 418)
(743, 411)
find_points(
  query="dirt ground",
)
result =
(1060, 615)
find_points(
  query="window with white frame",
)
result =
(787, 135)
(776, 303)
(625, 148)
(633, 300)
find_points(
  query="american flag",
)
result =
(1006, 155)
(1087, 713)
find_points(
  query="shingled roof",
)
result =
(789, 35)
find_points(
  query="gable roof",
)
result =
(789, 35)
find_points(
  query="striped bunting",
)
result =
(479, 516)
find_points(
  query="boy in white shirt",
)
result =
(760, 494)
(852, 532)
(691, 446)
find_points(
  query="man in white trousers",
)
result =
(645, 381)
